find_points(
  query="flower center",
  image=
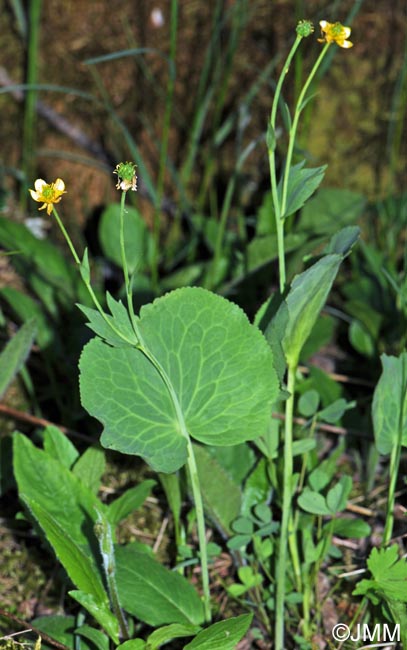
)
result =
(48, 192)
(336, 29)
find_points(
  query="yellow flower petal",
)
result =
(335, 33)
(34, 194)
(39, 184)
(48, 193)
(60, 185)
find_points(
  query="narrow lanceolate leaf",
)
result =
(307, 296)
(153, 593)
(225, 634)
(175, 631)
(204, 371)
(84, 267)
(15, 353)
(77, 563)
(389, 408)
(65, 510)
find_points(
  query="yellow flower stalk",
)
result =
(335, 33)
(48, 193)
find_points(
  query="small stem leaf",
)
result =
(116, 332)
(271, 140)
(44, 483)
(286, 115)
(302, 183)
(84, 267)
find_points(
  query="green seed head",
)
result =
(304, 28)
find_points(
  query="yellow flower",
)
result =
(335, 33)
(48, 194)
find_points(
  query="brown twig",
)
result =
(58, 121)
(41, 422)
(31, 628)
(342, 379)
(329, 428)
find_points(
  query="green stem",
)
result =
(286, 511)
(295, 557)
(122, 248)
(306, 606)
(312, 573)
(67, 237)
(191, 458)
(193, 472)
(272, 165)
(394, 470)
(293, 131)
(125, 266)
(164, 141)
(87, 282)
(200, 518)
(104, 534)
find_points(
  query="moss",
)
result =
(21, 578)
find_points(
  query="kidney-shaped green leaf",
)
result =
(216, 380)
